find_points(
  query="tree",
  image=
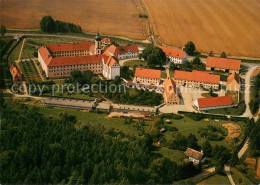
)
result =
(220, 167)
(154, 56)
(190, 48)
(3, 30)
(196, 61)
(223, 55)
(48, 24)
(211, 54)
(192, 142)
(207, 149)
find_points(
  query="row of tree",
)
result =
(50, 26)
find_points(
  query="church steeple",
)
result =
(98, 44)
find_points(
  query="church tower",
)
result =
(97, 44)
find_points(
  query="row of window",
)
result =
(85, 65)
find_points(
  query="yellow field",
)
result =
(115, 17)
(232, 26)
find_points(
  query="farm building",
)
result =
(171, 96)
(195, 156)
(59, 60)
(176, 56)
(233, 82)
(196, 79)
(147, 76)
(16, 74)
(123, 52)
(223, 64)
(203, 104)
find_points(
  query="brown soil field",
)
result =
(232, 26)
(250, 162)
(113, 17)
(234, 130)
(258, 169)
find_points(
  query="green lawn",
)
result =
(215, 179)
(187, 126)
(138, 63)
(229, 111)
(174, 155)
(28, 51)
(95, 119)
(15, 54)
(164, 74)
(40, 41)
(239, 177)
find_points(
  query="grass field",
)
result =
(137, 63)
(115, 17)
(239, 178)
(14, 54)
(187, 126)
(224, 25)
(215, 179)
(28, 51)
(40, 41)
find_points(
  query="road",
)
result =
(227, 172)
(48, 35)
(251, 69)
(243, 149)
(204, 173)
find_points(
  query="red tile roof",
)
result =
(147, 73)
(15, 71)
(45, 54)
(214, 101)
(107, 40)
(115, 50)
(223, 63)
(194, 154)
(111, 60)
(173, 52)
(233, 76)
(169, 87)
(69, 47)
(66, 61)
(198, 76)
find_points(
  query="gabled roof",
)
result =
(15, 71)
(173, 52)
(233, 76)
(115, 50)
(169, 87)
(223, 63)
(198, 76)
(45, 54)
(147, 73)
(194, 154)
(69, 47)
(111, 61)
(66, 61)
(214, 101)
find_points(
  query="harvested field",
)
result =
(250, 162)
(234, 130)
(115, 17)
(232, 26)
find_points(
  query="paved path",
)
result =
(227, 172)
(21, 51)
(38, 69)
(204, 173)
(243, 149)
